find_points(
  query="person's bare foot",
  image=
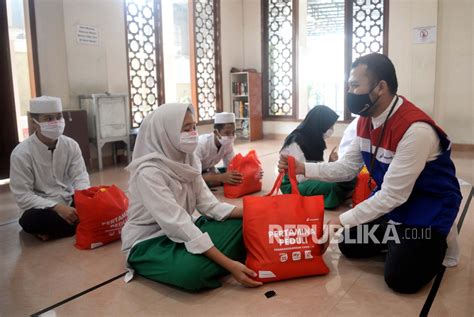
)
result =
(43, 237)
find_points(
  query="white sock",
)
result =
(453, 253)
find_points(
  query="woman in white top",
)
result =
(163, 240)
(307, 144)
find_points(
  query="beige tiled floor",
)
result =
(36, 275)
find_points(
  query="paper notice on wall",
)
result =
(425, 34)
(88, 35)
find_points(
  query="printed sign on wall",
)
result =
(426, 34)
(87, 34)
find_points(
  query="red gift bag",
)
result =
(281, 233)
(362, 190)
(102, 212)
(250, 167)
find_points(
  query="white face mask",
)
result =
(52, 129)
(188, 141)
(227, 140)
(328, 133)
(224, 140)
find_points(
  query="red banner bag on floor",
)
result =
(362, 189)
(102, 212)
(249, 166)
(281, 233)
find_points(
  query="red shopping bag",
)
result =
(102, 212)
(250, 167)
(281, 233)
(362, 190)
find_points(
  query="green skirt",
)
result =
(334, 193)
(168, 262)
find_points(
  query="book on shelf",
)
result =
(239, 88)
(246, 92)
(245, 129)
(241, 109)
(236, 108)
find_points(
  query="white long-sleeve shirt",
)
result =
(41, 178)
(419, 144)
(295, 150)
(161, 205)
(208, 153)
(349, 134)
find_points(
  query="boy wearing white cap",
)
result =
(217, 146)
(45, 169)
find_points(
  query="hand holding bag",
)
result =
(281, 233)
(250, 168)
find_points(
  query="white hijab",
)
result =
(157, 144)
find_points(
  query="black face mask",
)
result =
(360, 104)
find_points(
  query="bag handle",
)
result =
(277, 184)
(291, 175)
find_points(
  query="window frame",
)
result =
(159, 59)
(32, 42)
(348, 17)
(217, 59)
(265, 68)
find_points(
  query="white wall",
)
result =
(414, 63)
(437, 76)
(96, 68)
(67, 68)
(232, 48)
(252, 34)
(54, 78)
(454, 103)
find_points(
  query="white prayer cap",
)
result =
(224, 117)
(45, 104)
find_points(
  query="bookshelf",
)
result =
(246, 103)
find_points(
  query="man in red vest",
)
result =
(417, 197)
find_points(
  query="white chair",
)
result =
(108, 121)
